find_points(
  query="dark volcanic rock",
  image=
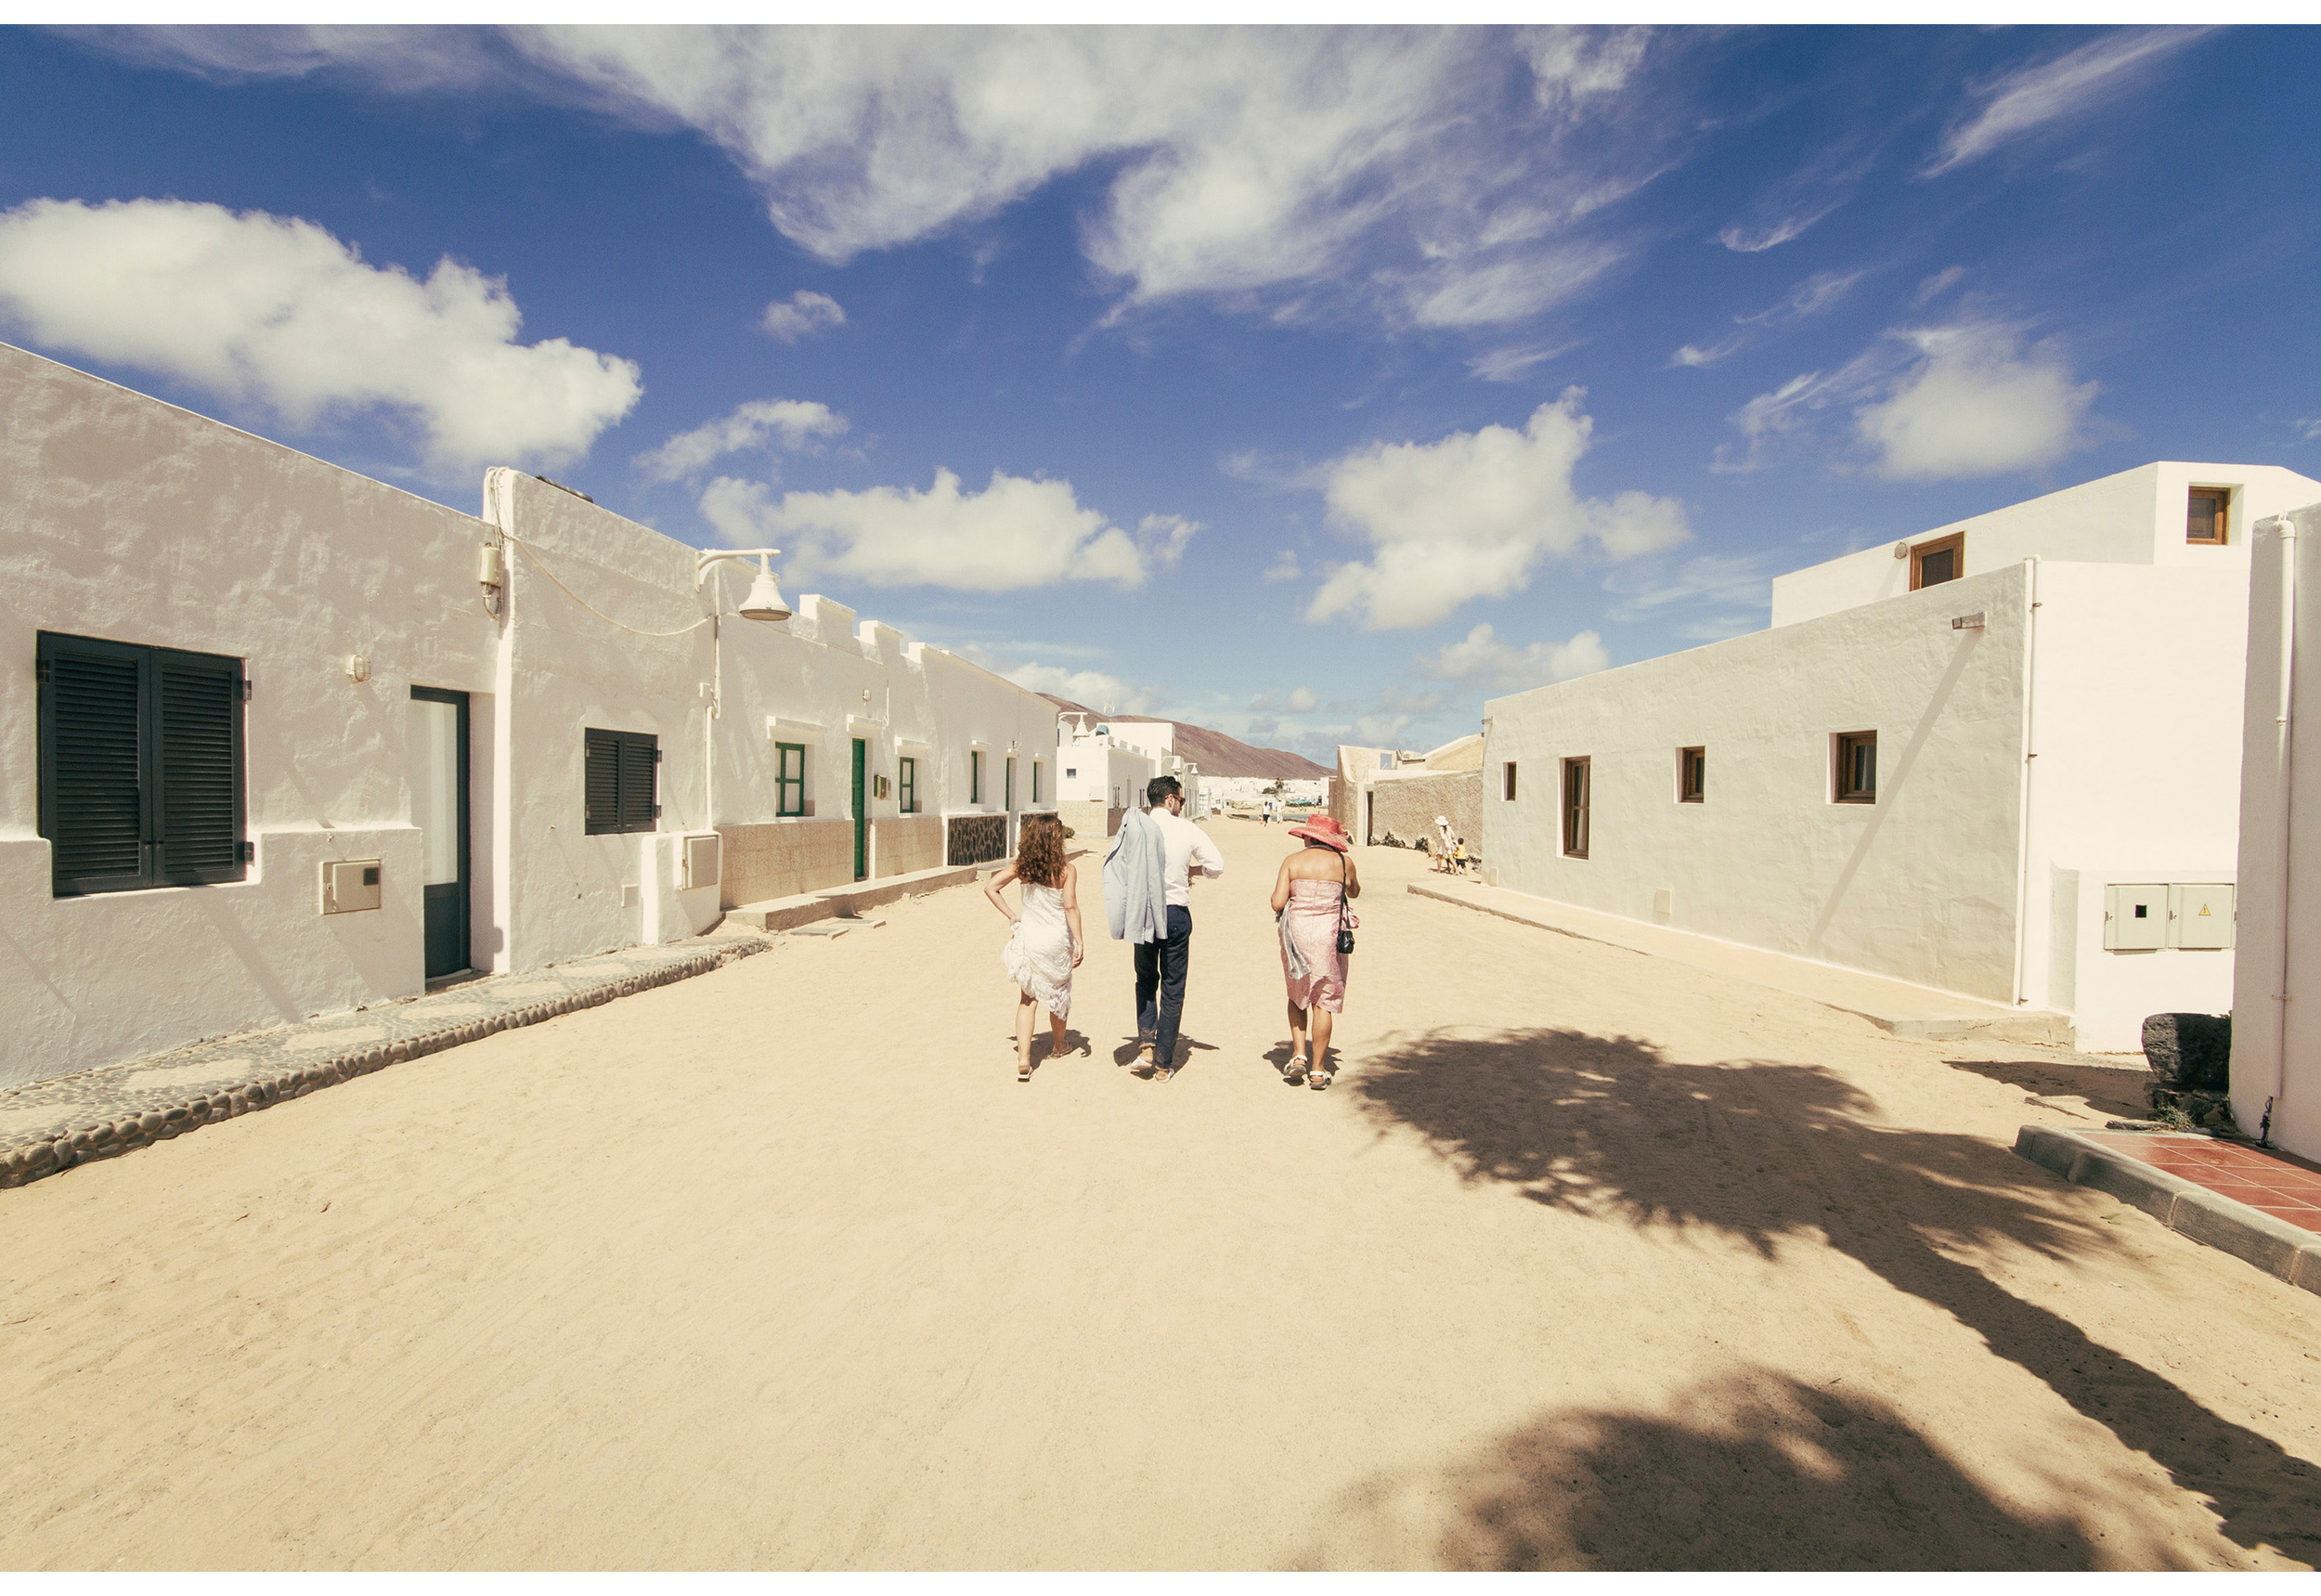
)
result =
(2190, 1052)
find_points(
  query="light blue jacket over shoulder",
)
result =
(1135, 882)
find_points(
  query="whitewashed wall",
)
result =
(1920, 885)
(2276, 1044)
(1252, 790)
(125, 518)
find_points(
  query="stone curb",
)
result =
(2280, 1249)
(32, 1160)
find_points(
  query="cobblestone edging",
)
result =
(2278, 1248)
(102, 1113)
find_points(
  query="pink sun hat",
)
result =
(1326, 831)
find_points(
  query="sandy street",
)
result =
(1586, 1260)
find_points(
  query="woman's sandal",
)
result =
(1023, 1069)
(1317, 1077)
(1295, 1070)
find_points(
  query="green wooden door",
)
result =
(862, 808)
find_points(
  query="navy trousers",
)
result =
(1160, 985)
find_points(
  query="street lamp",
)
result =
(764, 603)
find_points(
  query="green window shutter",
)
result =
(199, 796)
(600, 782)
(92, 705)
(640, 783)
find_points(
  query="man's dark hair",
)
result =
(1160, 789)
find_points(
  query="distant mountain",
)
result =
(1216, 754)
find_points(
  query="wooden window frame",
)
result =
(1506, 781)
(1692, 774)
(907, 783)
(1955, 543)
(154, 739)
(1579, 795)
(2223, 517)
(786, 806)
(632, 751)
(1842, 746)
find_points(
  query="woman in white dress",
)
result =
(1044, 947)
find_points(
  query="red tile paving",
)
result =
(2280, 1183)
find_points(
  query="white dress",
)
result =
(1039, 951)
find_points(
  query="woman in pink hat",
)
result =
(1309, 905)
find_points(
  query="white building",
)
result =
(1221, 790)
(2001, 758)
(2276, 1007)
(1105, 765)
(272, 746)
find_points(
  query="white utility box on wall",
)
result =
(2135, 917)
(349, 885)
(703, 855)
(2201, 915)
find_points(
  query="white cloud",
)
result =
(1285, 568)
(1378, 730)
(1302, 701)
(1975, 407)
(1096, 689)
(1960, 401)
(785, 424)
(1707, 598)
(2066, 87)
(1387, 164)
(1473, 514)
(273, 311)
(1480, 660)
(1940, 283)
(803, 313)
(1752, 240)
(1018, 532)
(1794, 203)
(1812, 296)
(1509, 364)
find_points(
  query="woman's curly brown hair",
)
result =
(1040, 850)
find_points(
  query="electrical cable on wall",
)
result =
(584, 604)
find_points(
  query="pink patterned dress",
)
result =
(1311, 923)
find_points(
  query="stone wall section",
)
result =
(783, 858)
(1408, 805)
(901, 844)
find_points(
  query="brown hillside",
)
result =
(1216, 754)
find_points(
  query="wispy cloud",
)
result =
(1939, 284)
(760, 423)
(1481, 660)
(1793, 205)
(2033, 96)
(1509, 365)
(1815, 294)
(802, 314)
(1707, 598)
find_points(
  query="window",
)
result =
(1386, 762)
(909, 784)
(140, 766)
(1071, 774)
(1035, 784)
(1008, 778)
(1937, 561)
(789, 778)
(1691, 775)
(1575, 773)
(975, 775)
(2205, 514)
(1857, 773)
(622, 786)
(1507, 775)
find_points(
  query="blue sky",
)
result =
(1315, 384)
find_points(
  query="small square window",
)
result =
(2207, 512)
(1691, 775)
(1937, 561)
(1856, 772)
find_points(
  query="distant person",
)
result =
(1045, 945)
(1162, 963)
(1265, 812)
(1309, 905)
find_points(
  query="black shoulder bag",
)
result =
(1345, 932)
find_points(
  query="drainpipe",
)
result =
(709, 719)
(2285, 748)
(2022, 844)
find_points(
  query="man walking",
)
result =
(1160, 965)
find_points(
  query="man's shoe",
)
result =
(1142, 1068)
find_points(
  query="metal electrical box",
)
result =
(704, 857)
(349, 885)
(2201, 915)
(2136, 916)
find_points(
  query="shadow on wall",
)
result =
(1760, 1472)
(1776, 1153)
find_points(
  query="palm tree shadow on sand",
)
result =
(1774, 1153)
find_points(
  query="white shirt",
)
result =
(1183, 845)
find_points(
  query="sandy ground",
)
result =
(1586, 1260)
